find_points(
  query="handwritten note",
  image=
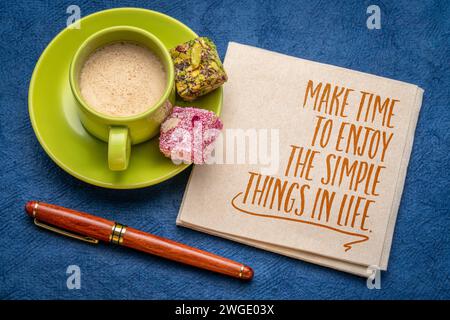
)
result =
(345, 140)
(299, 200)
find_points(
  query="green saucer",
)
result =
(53, 110)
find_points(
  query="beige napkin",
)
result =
(268, 90)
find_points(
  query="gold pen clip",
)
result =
(65, 233)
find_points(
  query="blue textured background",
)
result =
(413, 45)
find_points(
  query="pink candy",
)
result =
(188, 135)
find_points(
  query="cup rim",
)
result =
(119, 119)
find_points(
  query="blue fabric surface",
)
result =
(413, 45)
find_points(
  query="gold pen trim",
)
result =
(117, 233)
(35, 207)
(241, 271)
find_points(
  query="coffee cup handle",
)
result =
(119, 145)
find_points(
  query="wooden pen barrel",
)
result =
(109, 231)
(182, 253)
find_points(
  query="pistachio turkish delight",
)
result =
(198, 69)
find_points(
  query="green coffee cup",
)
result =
(122, 132)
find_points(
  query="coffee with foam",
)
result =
(122, 79)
